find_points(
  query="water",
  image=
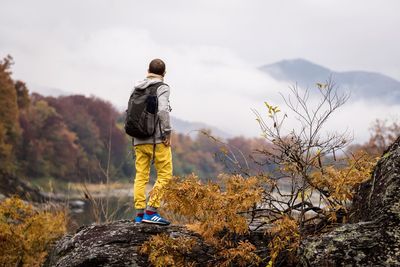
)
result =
(85, 212)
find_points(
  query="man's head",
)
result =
(157, 66)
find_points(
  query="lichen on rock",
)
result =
(372, 238)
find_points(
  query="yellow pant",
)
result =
(163, 164)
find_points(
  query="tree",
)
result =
(311, 186)
(299, 153)
(195, 156)
(382, 135)
(9, 126)
(49, 148)
(22, 95)
(95, 123)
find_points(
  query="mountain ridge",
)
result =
(361, 84)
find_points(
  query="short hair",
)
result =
(157, 66)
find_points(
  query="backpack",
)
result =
(141, 115)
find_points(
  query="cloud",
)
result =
(340, 34)
(353, 118)
(209, 83)
(212, 50)
(358, 117)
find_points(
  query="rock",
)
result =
(117, 244)
(11, 185)
(372, 238)
(111, 244)
(77, 206)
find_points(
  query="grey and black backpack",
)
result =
(141, 115)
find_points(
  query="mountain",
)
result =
(191, 128)
(50, 91)
(360, 84)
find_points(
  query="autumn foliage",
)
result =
(166, 251)
(341, 183)
(26, 233)
(208, 156)
(383, 133)
(9, 126)
(210, 209)
(221, 211)
(66, 138)
(285, 237)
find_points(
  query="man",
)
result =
(157, 148)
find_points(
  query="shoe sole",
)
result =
(153, 222)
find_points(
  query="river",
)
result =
(96, 209)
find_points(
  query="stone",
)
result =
(372, 238)
(118, 243)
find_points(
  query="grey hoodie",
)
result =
(163, 109)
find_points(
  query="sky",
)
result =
(212, 49)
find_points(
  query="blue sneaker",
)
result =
(138, 219)
(155, 219)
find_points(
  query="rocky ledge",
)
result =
(118, 244)
(111, 244)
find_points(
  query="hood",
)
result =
(151, 79)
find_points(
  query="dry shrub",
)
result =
(166, 251)
(26, 233)
(241, 255)
(285, 237)
(211, 208)
(341, 183)
(213, 211)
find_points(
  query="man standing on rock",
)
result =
(154, 148)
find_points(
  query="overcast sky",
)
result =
(212, 48)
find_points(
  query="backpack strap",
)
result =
(153, 91)
(154, 87)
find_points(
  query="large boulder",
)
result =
(118, 244)
(372, 238)
(110, 244)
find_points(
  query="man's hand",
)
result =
(167, 140)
